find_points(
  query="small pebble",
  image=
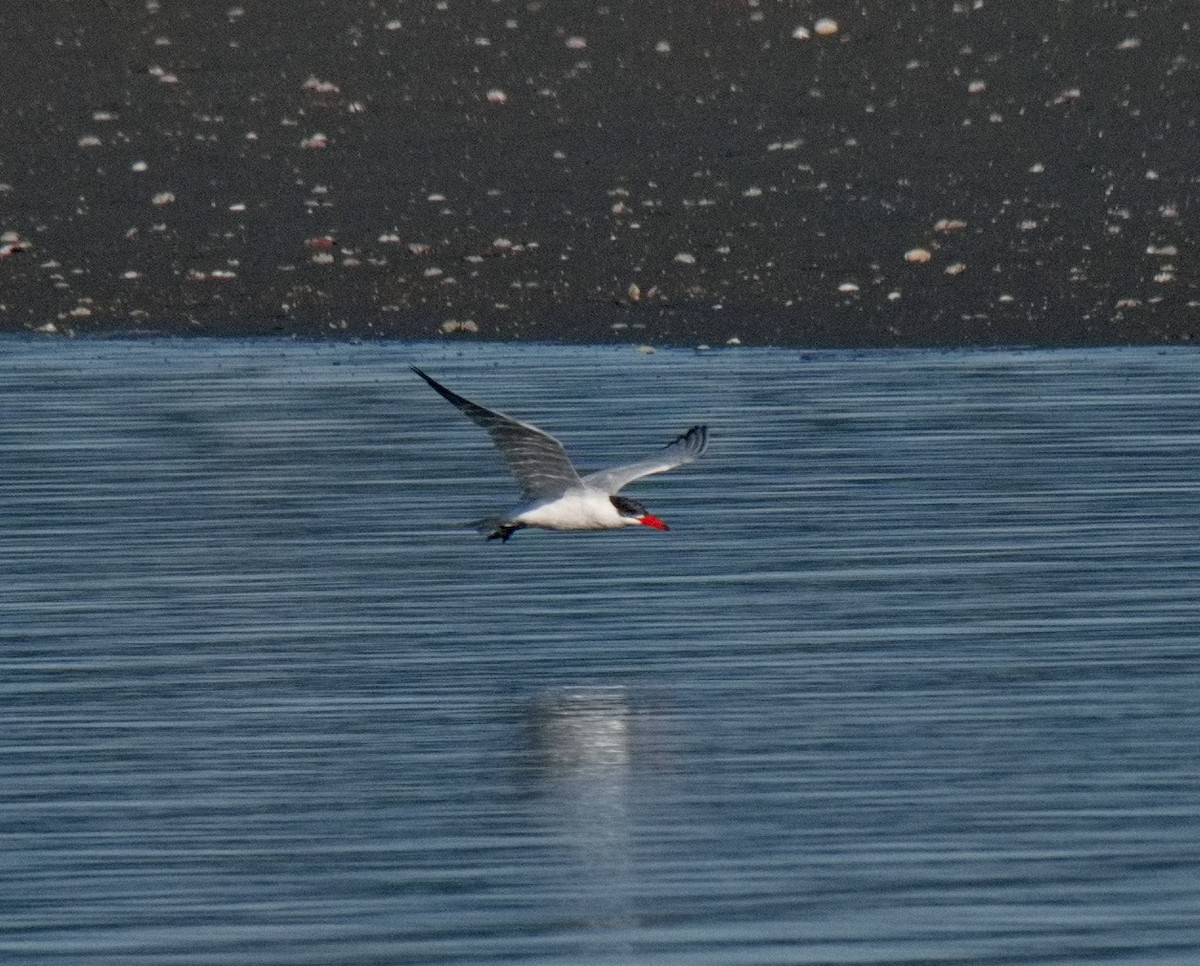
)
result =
(918, 256)
(315, 86)
(451, 326)
(11, 243)
(945, 225)
(825, 27)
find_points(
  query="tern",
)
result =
(553, 494)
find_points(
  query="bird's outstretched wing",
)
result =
(685, 449)
(536, 459)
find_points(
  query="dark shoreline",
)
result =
(709, 334)
(526, 171)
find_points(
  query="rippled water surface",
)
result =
(914, 678)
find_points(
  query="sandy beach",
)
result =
(867, 174)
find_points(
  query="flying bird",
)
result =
(553, 494)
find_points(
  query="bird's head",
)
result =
(634, 514)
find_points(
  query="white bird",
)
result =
(554, 496)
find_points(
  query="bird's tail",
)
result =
(496, 528)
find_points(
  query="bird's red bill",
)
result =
(649, 520)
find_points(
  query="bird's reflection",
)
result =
(580, 732)
(588, 747)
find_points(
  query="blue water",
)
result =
(914, 678)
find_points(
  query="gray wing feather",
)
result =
(679, 452)
(536, 459)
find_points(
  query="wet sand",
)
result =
(977, 173)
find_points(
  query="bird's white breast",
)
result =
(576, 510)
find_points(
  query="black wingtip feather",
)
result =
(447, 394)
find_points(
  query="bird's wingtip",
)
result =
(694, 441)
(426, 376)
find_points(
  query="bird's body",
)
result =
(581, 509)
(555, 496)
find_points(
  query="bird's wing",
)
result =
(536, 459)
(685, 449)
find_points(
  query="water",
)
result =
(914, 678)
